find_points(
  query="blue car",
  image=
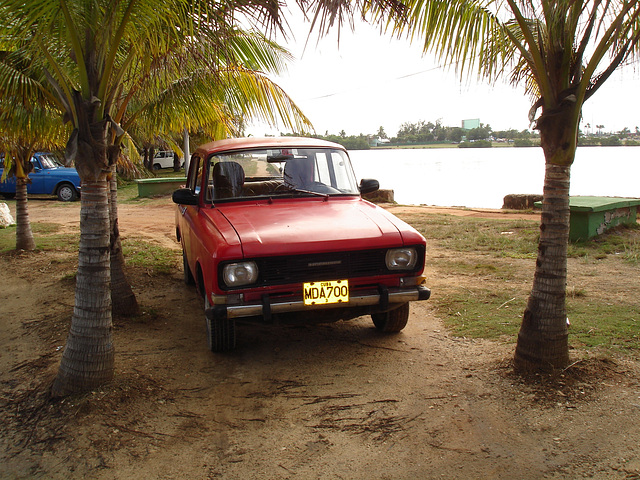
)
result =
(48, 177)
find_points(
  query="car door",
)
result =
(8, 186)
(187, 214)
(38, 177)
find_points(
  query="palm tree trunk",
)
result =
(24, 235)
(176, 162)
(151, 152)
(88, 358)
(543, 337)
(123, 300)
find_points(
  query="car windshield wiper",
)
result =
(301, 190)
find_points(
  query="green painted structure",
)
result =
(591, 216)
(148, 187)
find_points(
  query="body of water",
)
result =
(481, 177)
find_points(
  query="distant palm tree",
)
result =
(29, 122)
(562, 52)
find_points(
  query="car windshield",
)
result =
(49, 161)
(280, 172)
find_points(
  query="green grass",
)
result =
(45, 235)
(158, 259)
(594, 323)
(519, 238)
(482, 313)
(621, 241)
(503, 238)
(496, 314)
(482, 271)
(127, 190)
(7, 238)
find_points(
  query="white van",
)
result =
(163, 159)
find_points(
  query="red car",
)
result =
(275, 229)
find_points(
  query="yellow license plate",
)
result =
(319, 293)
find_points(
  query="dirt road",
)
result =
(335, 401)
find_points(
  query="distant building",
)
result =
(470, 123)
(377, 141)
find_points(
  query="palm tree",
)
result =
(17, 160)
(562, 52)
(88, 49)
(29, 121)
(18, 149)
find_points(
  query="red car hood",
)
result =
(287, 227)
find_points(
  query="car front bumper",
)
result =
(378, 300)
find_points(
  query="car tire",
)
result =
(188, 276)
(221, 332)
(67, 193)
(393, 320)
(156, 166)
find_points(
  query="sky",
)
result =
(368, 81)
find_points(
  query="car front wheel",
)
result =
(221, 332)
(66, 193)
(393, 320)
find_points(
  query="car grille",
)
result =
(324, 266)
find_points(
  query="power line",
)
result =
(401, 77)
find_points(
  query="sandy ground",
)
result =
(336, 401)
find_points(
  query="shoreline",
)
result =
(461, 211)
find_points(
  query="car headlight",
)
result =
(401, 258)
(241, 273)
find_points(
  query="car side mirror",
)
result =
(368, 185)
(184, 196)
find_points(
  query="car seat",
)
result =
(298, 172)
(228, 178)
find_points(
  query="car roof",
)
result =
(264, 142)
